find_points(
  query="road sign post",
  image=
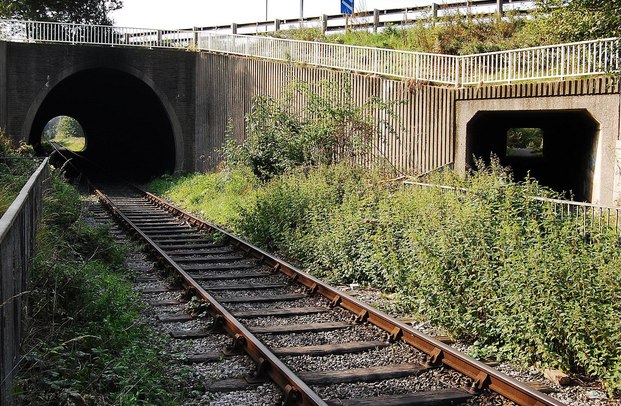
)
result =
(347, 8)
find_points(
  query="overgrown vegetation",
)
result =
(552, 22)
(86, 344)
(15, 168)
(491, 265)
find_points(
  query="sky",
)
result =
(201, 13)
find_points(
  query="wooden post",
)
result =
(276, 25)
(234, 28)
(499, 11)
(434, 11)
(324, 23)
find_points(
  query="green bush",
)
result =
(329, 126)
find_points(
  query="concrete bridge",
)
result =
(159, 101)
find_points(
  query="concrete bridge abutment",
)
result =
(580, 121)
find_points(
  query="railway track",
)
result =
(313, 341)
(279, 315)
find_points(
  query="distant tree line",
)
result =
(575, 20)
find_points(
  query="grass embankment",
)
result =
(14, 174)
(86, 344)
(491, 266)
(75, 144)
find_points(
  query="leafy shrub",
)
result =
(328, 127)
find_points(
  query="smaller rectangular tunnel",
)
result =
(563, 159)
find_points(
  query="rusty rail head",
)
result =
(297, 390)
(484, 377)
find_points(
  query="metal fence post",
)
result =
(434, 11)
(562, 63)
(375, 20)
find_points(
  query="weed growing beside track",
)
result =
(86, 344)
(492, 266)
(15, 170)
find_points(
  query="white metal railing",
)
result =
(416, 65)
(37, 31)
(546, 62)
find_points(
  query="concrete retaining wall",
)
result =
(226, 86)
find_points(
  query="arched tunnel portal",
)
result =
(126, 125)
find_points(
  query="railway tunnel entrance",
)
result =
(558, 148)
(126, 126)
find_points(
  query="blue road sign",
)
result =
(347, 7)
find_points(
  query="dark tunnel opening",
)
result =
(563, 159)
(126, 127)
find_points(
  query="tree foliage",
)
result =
(75, 11)
(62, 127)
(575, 20)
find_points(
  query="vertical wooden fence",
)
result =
(17, 239)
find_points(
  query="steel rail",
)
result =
(295, 390)
(438, 353)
